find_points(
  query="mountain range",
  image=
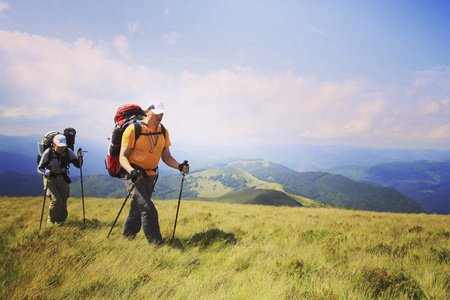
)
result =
(386, 186)
(427, 182)
(234, 185)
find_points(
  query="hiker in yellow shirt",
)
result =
(140, 160)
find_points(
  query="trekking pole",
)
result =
(43, 204)
(126, 198)
(81, 180)
(179, 200)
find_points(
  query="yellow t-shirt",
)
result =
(146, 152)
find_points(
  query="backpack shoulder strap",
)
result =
(137, 132)
(50, 156)
(163, 130)
(65, 159)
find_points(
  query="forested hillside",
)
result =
(427, 182)
(332, 188)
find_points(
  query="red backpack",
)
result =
(126, 114)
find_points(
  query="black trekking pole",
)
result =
(126, 198)
(43, 204)
(81, 180)
(179, 199)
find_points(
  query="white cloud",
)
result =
(442, 132)
(170, 38)
(436, 76)
(121, 44)
(134, 27)
(45, 81)
(46, 84)
(3, 6)
(283, 108)
(166, 11)
(317, 31)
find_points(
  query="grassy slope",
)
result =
(224, 251)
(209, 186)
(266, 197)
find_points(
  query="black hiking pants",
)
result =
(142, 210)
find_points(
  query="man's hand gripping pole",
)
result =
(180, 167)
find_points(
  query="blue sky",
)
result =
(361, 73)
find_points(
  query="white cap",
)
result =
(157, 108)
(60, 140)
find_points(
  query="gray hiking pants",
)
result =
(142, 210)
(57, 192)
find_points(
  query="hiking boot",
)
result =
(156, 243)
(50, 223)
(129, 237)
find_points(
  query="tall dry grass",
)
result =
(224, 251)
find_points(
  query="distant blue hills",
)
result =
(425, 181)
(423, 175)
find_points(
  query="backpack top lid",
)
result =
(48, 138)
(126, 112)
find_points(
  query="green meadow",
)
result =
(223, 251)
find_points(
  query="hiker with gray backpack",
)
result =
(143, 144)
(53, 166)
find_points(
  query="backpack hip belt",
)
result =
(57, 174)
